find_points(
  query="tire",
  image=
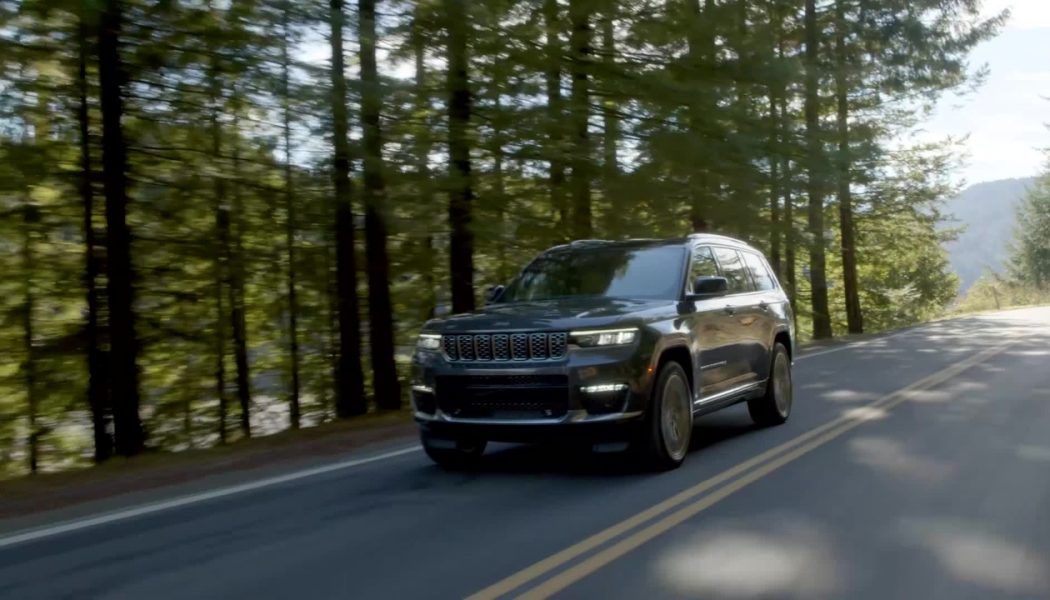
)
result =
(774, 406)
(663, 441)
(453, 455)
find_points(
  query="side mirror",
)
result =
(493, 293)
(710, 287)
(441, 310)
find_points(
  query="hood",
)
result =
(549, 315)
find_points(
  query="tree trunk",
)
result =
(580, 67)
(499, 191)
(775, 229)
(854, 316)
(290, 221)
(814, 150)
(380, 312)
(222, 257)
(221, 223)
(790, 240)
(422, 159)
(611, 135)
(350, 391)
(229, 259)
(702, 183)
(97, 388)
(787, 188)
(124, 375)
(461, 192)
(30, 218)
(238, 312)
(776, 154)
(555, 115)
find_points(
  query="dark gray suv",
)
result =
(612, 344)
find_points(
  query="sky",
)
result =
(1005, 118)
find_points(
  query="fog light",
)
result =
(424, 399)
(603, 388)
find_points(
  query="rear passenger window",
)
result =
(759, 273)
(734, 270)
(703, 265)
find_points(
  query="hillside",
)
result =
(986, 210)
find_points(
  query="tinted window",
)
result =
(653, 272)
(734, 270)
(703, 265)
(759, 273)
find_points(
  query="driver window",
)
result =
(703, 264)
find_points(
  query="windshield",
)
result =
(611, 271)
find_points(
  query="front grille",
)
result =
(504, 396)
(501, 346)
(465, 345)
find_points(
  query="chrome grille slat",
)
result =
(559, 343)
(483, 347)
(519, 346)
(465, 345)
(538, 345)
(451, 346)
(501, 347)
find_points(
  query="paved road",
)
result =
(914, 466)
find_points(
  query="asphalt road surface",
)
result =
(915, 465)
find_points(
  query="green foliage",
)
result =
(993, 292)
(694, 119)
(1030, 260)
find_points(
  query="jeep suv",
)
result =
(616, 344)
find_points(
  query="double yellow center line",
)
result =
(663, 516)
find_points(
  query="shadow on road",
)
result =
(565, 459)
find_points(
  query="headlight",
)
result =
(605, 337)
(430, 342)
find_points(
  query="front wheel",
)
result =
(453, 454)
(668, 429)
(774, 407)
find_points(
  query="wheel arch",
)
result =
(681, 354)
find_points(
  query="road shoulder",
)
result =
(31, 501)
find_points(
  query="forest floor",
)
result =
(50, 491)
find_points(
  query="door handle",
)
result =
(763, 306)
(730, 309)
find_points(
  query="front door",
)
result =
(710, 328)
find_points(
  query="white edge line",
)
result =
(146, 509)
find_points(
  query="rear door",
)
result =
(739, 310)
(765, 306)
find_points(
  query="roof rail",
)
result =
(717, 237)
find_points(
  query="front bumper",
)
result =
(614, 428)
(458, 399)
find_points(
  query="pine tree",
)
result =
(124, 373)
(461, 191)
(815, 184)
(350, 394)
(380, 317)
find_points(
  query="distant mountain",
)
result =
(987, 212)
